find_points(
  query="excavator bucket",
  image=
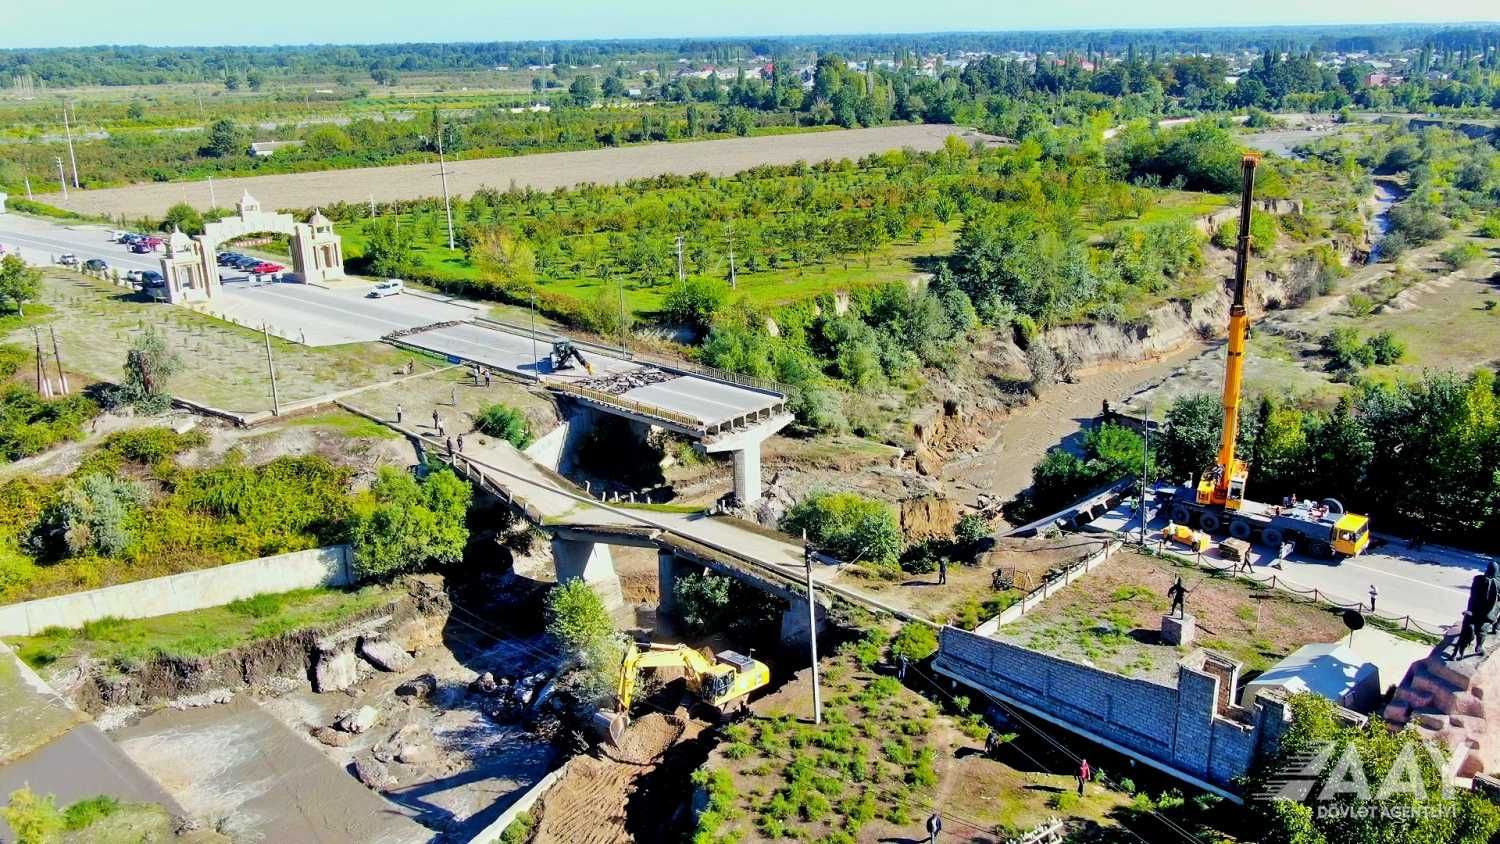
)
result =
(611, 725)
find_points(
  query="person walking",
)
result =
(487, 376)
(991, 744)
(450, 446)
(398, 413)
(901, 667)
(942, 571)
(460, 442)
(437, 421)
(1085, 773)
(934, 826)
(440, 431)
(1374, 593)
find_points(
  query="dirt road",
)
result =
(544, 171)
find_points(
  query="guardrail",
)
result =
(630, 405)
(659, 361)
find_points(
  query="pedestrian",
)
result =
(991, 744)
(437, 421)
(934, 826)
(450, 446)
(487, 376)
(1085, 773)
(1374, 593)
(453, 396)
(399, 413)
(942, 570)
(901, 667)
(460, 442)
(440, 431)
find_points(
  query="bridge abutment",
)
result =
(591, 562)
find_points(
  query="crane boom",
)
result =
(1224, 483)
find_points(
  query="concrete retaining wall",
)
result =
(1187, 729)
(192, 590)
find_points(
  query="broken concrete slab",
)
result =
(384, 654)
(336, 670)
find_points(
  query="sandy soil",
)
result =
(1003, 469)
(545, 171)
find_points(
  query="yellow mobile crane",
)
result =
(722, 682)
(1219, 495)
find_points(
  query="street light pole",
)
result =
(69, 132)
(536, 360)
(443, 165)
(812, 629)
(62, 178)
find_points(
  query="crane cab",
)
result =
(1213, 492)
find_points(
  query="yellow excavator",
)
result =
(722, 682)
(1219, 495)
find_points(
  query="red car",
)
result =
(153, 242)
(266, 268)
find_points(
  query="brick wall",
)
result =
(1177, 725)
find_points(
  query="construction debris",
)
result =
(373, 773)
(621, 383)
(383, 654)
(357, 720)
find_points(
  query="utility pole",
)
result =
(62, 374)
(1145, 469)
(213, 201)
(812, 629)
(622, 318)
(271, 368)
(62, 178)
(443, 165)
(69, 132)
(28, 188)
(372, 206)
(681, 276)
(733, 281)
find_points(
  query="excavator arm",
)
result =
(1224, 482)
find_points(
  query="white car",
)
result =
(117, 237)
(135, 276)
(389, 287)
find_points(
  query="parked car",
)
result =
(139, 247)
(266, 268)
(130, 238)
(118, 237)
(97, 265)
(153, 241)
(244, 262)
(135, 276)
(389, 287)
(228, 258)
(68, 259)
(152, 278)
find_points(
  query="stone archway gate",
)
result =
(190, 268)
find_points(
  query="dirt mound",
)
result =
(587, 805)
(646, 739)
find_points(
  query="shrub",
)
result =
(519, 830)
(1385, 349)
(1490, 227)
(149, 365)
(915, 641)
(971, 529)
(505, 423)
(1063, 801)
(1461, 255)
(850, 526)
(694, 302)
(85, 813)
(33, 819)
(403, 524)
(30, 424)
(1345, 350)
(702, 599)
(95, 514)
(1360, 304)
(150, 446)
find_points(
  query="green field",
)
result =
(201, 632)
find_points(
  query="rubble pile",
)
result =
(505, 700)
(623, 382)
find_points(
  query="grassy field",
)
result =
(766, 289)
(1111, 619)
(201, 632)
(224, 365)
(874, 768)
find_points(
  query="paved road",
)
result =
(320, 316)
(708, 401)
(40, 241)
(1430, 585)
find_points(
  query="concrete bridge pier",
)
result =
(591, 562)
(745, 444)
(794, 623)
(668, 568)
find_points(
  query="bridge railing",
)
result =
(629, 405)
(661, 361)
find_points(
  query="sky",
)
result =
(53, 23)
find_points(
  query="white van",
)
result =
(389, 287)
